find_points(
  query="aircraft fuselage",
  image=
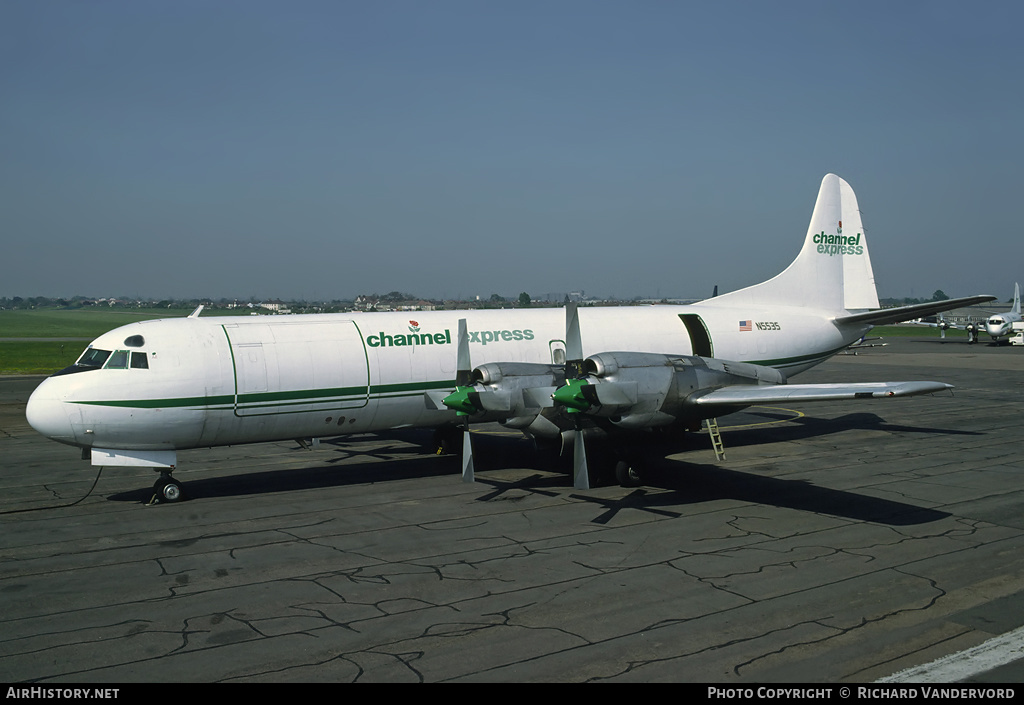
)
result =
(173, 384)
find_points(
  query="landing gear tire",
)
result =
(627, 474)
(166, 490)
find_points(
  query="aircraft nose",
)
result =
(47, 413)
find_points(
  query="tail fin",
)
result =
(1016, 299)
(833, 270)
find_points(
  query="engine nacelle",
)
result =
(643, 390)
(508, 392)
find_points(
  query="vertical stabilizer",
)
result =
(858, 277)
(833, 272)
(1016, 299)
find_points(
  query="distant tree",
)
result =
(939, 295)
(497, 298)
(524, 300)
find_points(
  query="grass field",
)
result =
(74, 323)
(38, 358)
(911, 331)
(66, 332)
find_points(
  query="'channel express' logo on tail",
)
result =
(415, 337)
(838, 244)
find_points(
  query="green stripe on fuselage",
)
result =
(290, 398)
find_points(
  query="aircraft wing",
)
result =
(905, 313)
(747, 394)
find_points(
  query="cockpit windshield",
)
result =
(995, 321)
(95, 358)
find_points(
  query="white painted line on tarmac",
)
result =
(997, 651)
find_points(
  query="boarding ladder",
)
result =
(716, 438)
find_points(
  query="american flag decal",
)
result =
(745, 325)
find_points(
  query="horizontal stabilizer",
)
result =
(741, 394)
(905, 313)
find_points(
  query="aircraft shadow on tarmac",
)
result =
(687, 482)
(697, 483)
(806, 427)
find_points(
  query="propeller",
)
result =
(571, 395)
(464, 400)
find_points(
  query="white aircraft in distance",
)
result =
(941, 323)
(144, 391)
(1000, 325)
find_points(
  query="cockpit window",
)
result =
(996, 321)
(118, 360)
(135, 341)
(93, 357)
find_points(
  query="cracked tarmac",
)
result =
(837, 543)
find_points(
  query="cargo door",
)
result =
(306, 366)
(700, 336)
(249, 359)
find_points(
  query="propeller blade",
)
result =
(467, 454)
(464, 366)
(573, 342)
(580, 473)
(462, 399)
(573, 395)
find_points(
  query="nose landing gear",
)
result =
(165, 490)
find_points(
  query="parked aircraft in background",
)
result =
(941, 323)
(1000, 325)
(144, 391)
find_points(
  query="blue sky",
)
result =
(449, 148)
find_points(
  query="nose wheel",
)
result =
(166, 490)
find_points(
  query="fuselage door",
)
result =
(700, 336)
(296, 367)
(250, 368)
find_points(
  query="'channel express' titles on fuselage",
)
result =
(838, 244)
(415, 337)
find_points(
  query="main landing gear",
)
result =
(165, 490)
(628, 473)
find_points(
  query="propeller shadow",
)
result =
(698, 483)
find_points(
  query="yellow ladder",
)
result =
(716, 438)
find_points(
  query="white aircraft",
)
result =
(143, 391)
(1000, 326)
(941, 323)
